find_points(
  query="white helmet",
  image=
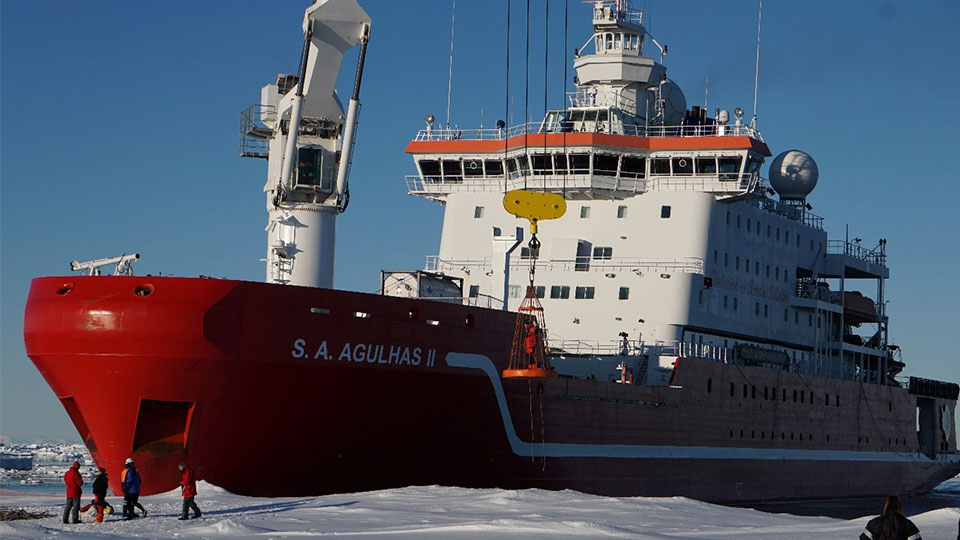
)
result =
(128, 461)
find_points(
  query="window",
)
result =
(768, 270)
(494, 167)
(731, 389)
(602, 253)
(777, 272)
(746, 265)
(726, 259)
(605, 164)
(474, 291)
(724, 301)
(559, 291)
(737, 263)
(579, 163)
(514, 291)
(527, 253)
(734, 303)
(682, 166)
(542, 164)
(786, 315)
(541, 291)
(709, 385)
(706, 166)
(621, 211)
(633, 167)
(768, 231)
(729, 168)
(810, 319)
(430, 170)
(665, 211)
(584, 212)
(624, 293)
(584, 293)
(560, 163)
(758, 268)
(477, 212)
(452, 170)
(715, 254)
(796, 317)
(728, 217)
(766, 310)
(756, 309)
(582, 263)
(778, 234)
(472, 167)
(738, 221)
(785, 278)
(660, 166)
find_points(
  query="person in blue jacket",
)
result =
(130, 482)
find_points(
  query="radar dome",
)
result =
(675, 104)
(793, 174)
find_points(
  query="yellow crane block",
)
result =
(534, 205)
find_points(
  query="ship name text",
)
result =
(370, 353)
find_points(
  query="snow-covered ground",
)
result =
(433, 512)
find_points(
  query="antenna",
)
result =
(706, 92)
(453, 20)
(756, 73)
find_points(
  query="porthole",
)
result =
(468, 320)
(145, 289)
(65, 288)
(412, 314)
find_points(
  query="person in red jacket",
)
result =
(73, 480)
(530, 344)
(188, 486)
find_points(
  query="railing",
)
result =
(435, 185)
(855, 250)
(619, 347)
(481, 300)
(607, 12)
(591, 96)
(254, 134)
(686, 265)
(790, 211)
(485, 134)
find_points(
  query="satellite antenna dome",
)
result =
(793, 174)
(674, 103)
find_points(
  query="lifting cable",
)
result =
(506, 107)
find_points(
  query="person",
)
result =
(99, 496)
(891, 525)
(73, 480)
(188, 486)
(130, 483)
(530, 344)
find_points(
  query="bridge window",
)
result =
(541, 164)
(579, 163)
(605, 164)
(523, 165)
(633, 167)
(660, 166)
(624, 293)
(622, 212)
(584, 293)
(494, 167)
(452, 170)
(729, 168)
(683, 166)
(472, 167)
(477, 212)
(474, 291)
(430, 170)
(560, 163)
(706, 166)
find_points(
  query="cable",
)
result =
(506, 116)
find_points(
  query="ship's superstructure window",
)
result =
(729, 168)
(605, 164)
(308, 166)
(584, 212)
(621, 211)
(683, 166)
(660, 166)
(584, 293)
(602, 253)
(430, 170)
(452, 170)
(560, 291)
(542, 164)
(541, 291)
(746, 265)
(633, 167)
(528, 253)
(706, 166)
(624, 293)
(734, 303)
(493, 167)
(514, 291)
(738, 221)
(474, 291)
(579, 163)
(472, 167)
(477, 212)
(665, 211)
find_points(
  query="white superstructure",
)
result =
(671, 236)
(301, 128)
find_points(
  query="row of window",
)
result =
(770, 394)
(773, 234)
(558, 292)
(773, 435)
(602, 164)
(747, 267)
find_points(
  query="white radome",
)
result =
(675, 104)
(793, 174)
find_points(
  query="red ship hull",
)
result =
(358, 392)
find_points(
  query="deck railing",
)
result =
(686, 265)
(539, 127)
(855, 250)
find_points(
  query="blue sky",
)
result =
(119, 125)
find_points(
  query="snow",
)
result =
(434, 512)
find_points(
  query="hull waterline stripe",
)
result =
(522, 448)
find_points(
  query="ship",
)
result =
(665, 322)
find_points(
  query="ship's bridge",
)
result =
(590, 152)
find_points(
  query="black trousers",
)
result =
(188, 504)
(129, 502)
